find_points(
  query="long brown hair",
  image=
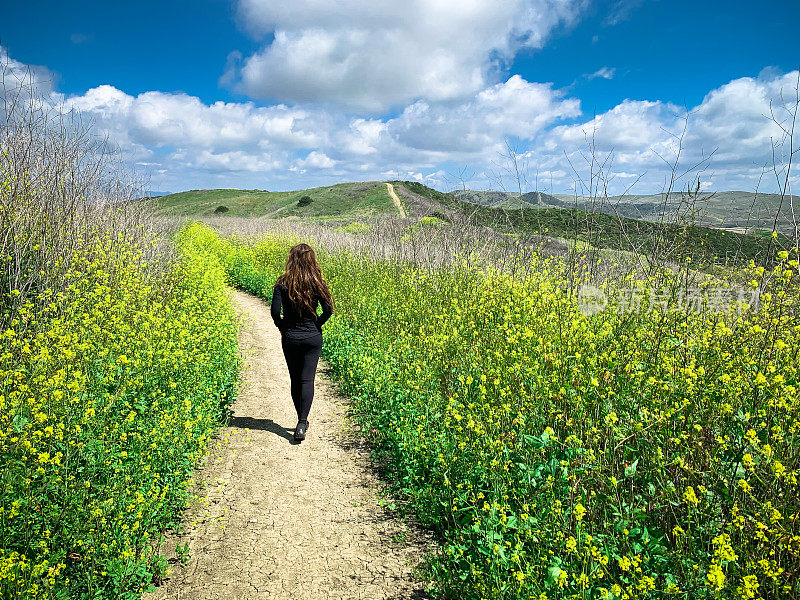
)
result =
(303, 279)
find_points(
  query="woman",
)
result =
(298, 292)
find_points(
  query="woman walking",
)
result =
(298, 292)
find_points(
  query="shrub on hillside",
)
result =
(354, 227)
(431, 221)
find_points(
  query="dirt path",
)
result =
(285, 520)
(393, 195)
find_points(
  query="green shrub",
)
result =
(431, 221)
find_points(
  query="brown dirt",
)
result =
(285, 520)
(396, 200)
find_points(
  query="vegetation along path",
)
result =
(396, 200)
(284, 520)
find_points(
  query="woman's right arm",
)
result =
(275, 307)
(327, 311)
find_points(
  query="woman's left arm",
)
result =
(275, 308)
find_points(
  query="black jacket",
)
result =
(294, 322)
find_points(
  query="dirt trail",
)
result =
(285, 520)
(393, 195)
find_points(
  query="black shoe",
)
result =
(300, 430)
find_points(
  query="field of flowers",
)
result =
(109, 390)
(642, 454)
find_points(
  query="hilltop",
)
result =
(343, 200)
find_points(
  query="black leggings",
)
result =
(302, 357)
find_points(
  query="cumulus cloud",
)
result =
(158, 129)
(33, 78)
(316, 160)
(729, 135)
(234, 161)
(730, 125)
(178, 120)
(516, 107)
(187, 143)
(364, 136)
(631, 125)
(736, 118)
(382, 53)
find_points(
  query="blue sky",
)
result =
(254, 94)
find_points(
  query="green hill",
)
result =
(535, 215)
(610, 231)
(343, 200)
(506, 199)
(725, 210)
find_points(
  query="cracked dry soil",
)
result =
(285, 520)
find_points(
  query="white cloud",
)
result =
(629, 126)
(178, 120)
(730, 132)
(380, 53)
(317, 160)
(25, 78)
(602, 73)
(731, 122)
(364, 136)
(236, 161)
(186, 143)
(516, 107)
(736, 118)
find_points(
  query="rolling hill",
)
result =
(497, 199)
(742, 211)
(343, 200)
(610, 230)
(539, 214)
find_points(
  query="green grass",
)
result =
(358, 199)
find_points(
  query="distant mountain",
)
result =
(741, 211)
(154, 194)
